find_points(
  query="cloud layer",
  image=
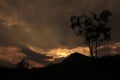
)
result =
(10, 56)
(45, 24)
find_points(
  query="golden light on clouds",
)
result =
(28, 22)
(35, 49)
(114, 48)
(10, 55)
(13, 55)
(60, 52)
(64, 52)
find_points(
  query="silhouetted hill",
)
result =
(74, 67)
(77, 58)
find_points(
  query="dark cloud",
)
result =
(36, 57)
(45, 23)
(10, 56)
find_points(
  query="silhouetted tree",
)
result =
(93, 28)
(22, 64)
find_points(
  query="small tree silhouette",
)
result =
(93, 28)
(22, 64)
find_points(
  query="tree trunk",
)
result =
(91, 50)
(91, 53)
(96, 54)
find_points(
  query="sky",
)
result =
(39, 30)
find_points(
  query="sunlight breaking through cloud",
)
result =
(44, 27)
(60, 52)
(64, 52)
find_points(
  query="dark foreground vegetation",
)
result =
(74, 67)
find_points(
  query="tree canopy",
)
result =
(93, 28)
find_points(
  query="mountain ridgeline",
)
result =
(74, 67)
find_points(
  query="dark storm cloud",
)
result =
(10, 56)
(45, 23)
(36, 57)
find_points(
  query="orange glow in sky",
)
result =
(61, 52)
(64, 52)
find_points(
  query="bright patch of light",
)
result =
(60, 52)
